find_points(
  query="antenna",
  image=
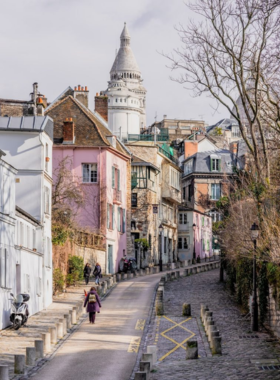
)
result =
(155, 116)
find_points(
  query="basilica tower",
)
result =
(126, 94)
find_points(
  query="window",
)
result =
(123, 221)
(190, 192)
(215, 215)
(208, 246)
(188, 167)
(110, 217)
(215, 191)
(125, 100)
(184, 193)
(180, 243)
(150, 241)
(134, 200)
(186, 245)
(113, 217)
(121, 100)
(116, 100)
(165, 244)
(215, 163)
(235, 131)
(183, 218)
(175, 178)
(3, 268)
(183, 243)
(47, 200)
(116, 178)
(89, 173)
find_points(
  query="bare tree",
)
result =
(232, 55)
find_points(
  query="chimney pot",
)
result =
(86, 89)
(82, 88)
(79, 88)
(75, 88)
(70, 119)
(97, 94)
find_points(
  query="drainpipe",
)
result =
(100, 210)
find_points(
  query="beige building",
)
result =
(155, 196)
(177, 129)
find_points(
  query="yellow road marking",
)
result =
(178, 345)
(140, 324)
(134, 344)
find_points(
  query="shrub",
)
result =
(76, 268)
(58, 280)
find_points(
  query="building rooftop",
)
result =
(27, 124)
(201, 161)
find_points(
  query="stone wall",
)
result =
(90, 255)
(273, 315)
(14, 109)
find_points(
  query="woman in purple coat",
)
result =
(93, 304)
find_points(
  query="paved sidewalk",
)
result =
(243, 357)
(15, 342)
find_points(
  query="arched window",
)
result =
(125, 75)
(130, 76)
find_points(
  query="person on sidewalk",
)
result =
(97, 273)
(93, 304)
(87, 271)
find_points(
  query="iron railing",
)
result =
(168, 155)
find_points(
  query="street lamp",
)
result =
(160, 251)
(194, 255)
(254, 320)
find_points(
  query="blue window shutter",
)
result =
(123, 229)
(113, 217)
(119, 179)
(113, 177)
(108, 215)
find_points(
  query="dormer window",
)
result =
(215, 163)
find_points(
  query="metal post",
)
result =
(254, 321)
(160, 254)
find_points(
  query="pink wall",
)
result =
(203, 232)
(95, 193)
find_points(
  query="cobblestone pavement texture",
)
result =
(241, 353)
(15, 342)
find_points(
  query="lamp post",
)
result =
(194, 255)
(139, 246)
(254, 320)
(160, 250)
(215, 248)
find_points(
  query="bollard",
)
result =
(148, 358)
(118, 277)
(202, 308)
(157, 269)
(129, 275)
(194, 270)
(186, 272)
(163, 279)
(152, 350)
(198, 269)
(145, 366)
(191, 349)
(125, 276)
(177, 274)
(168, 276)
(210, 327)
(208, 314)
(147, 271)
(4, 372)
(209, 322)
(203, 311)
(159, 303)
(213, 334)
(30, 356)
(19, 364)
(141, 376)
(114, 278)
(190, 271)
(74, 315)
(39, 346)
(46, 337)
(64, 321)
(216, 345)
(172, 276)
(68, 323)
(142, 272)
(186, 309)
(122, 275)
(60, 329)
(53, 332)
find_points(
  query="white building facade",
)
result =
(27, 143)
(126, 94)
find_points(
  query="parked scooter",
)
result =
(19, 310)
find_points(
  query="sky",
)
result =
(61, 43)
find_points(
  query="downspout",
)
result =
(100, 208)
(42, 230)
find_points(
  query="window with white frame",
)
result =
(188, 167)
(174, 178)
(47, 200)
(183, 242)
(215, 215)
(89, 173)
(215, 191)
(183, 218)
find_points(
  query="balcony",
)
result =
(117, 197)
(184, 227)
(171, 194)
(168, 155)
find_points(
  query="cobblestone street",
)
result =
(245, 355)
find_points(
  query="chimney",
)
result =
(68, 131)
(233, 148)
(82, 94)
(191, 147)
(101, 105)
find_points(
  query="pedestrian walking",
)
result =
(93, 304)
(87, 271)
(97, 272)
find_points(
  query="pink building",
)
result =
(194, 235)
(100, 165)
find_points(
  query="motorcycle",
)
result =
(19, 310)
(128, 264)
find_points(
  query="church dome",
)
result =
(125, 61)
